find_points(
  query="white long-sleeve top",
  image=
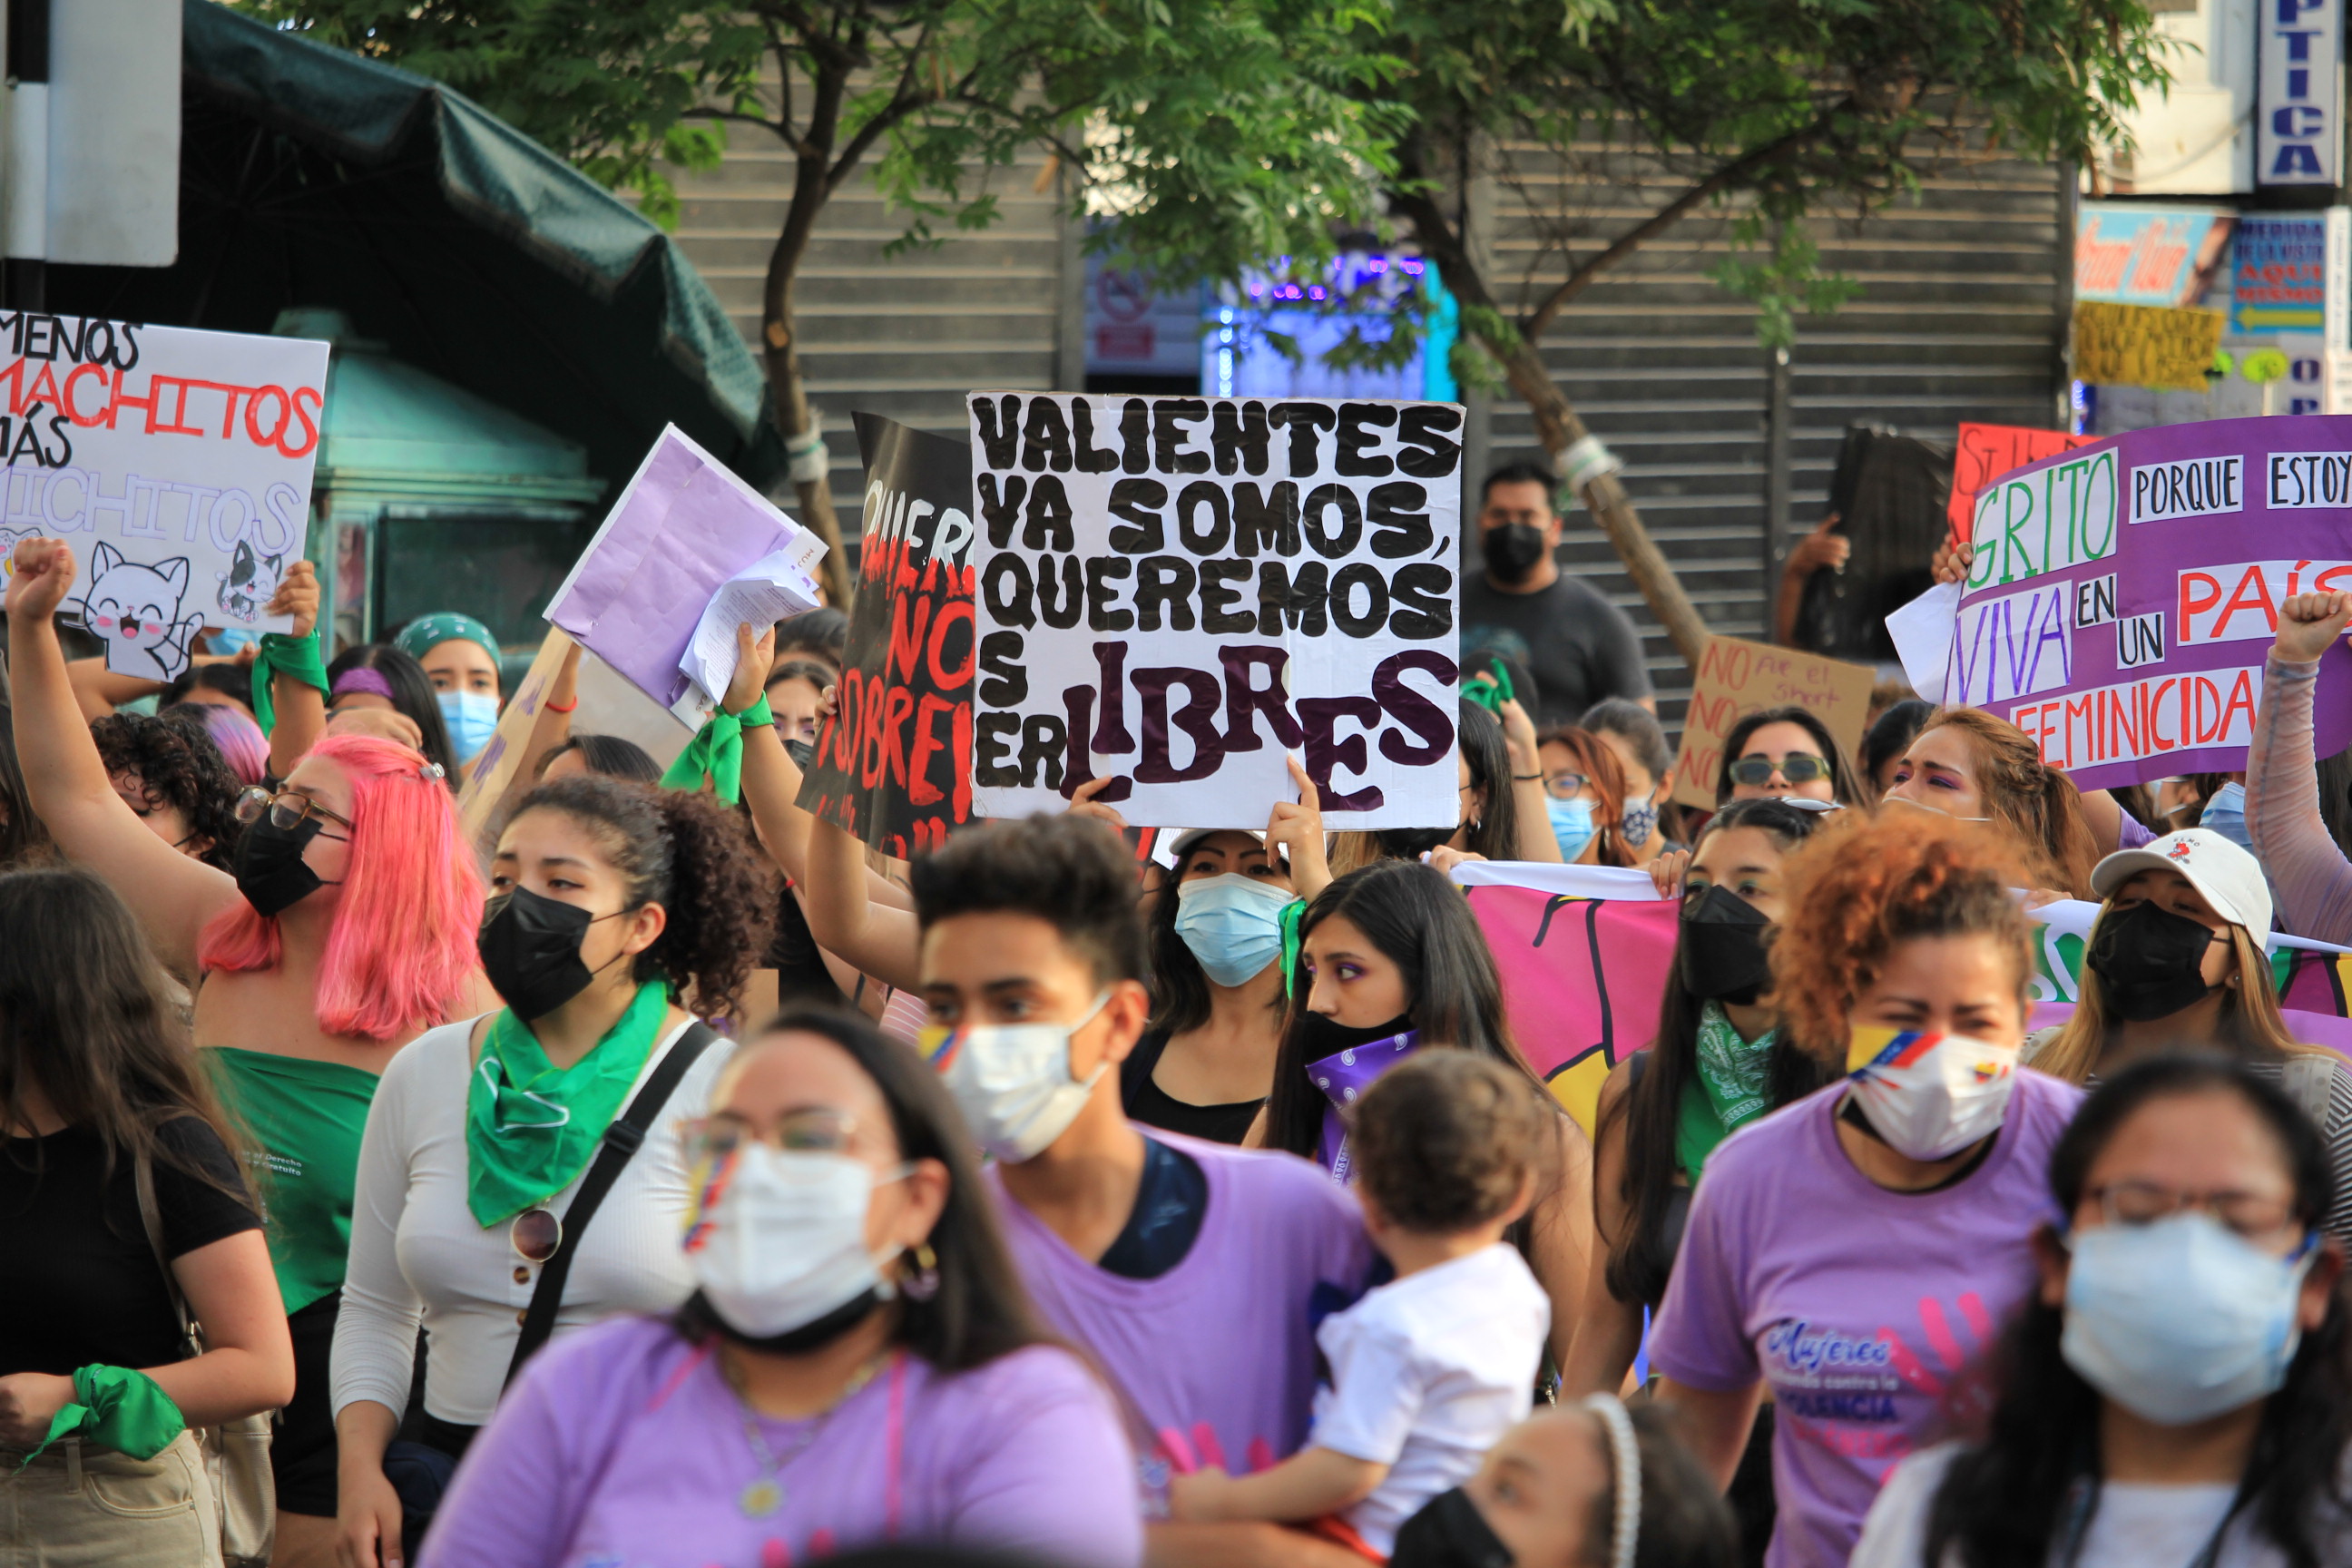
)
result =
(418, 1252)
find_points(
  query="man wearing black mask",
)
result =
(1578, 647)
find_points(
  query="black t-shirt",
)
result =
(1170, 1202)
(1579, 646)
(1145, 1101)
(81, 1281)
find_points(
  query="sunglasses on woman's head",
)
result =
(1797, 767)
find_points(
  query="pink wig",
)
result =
(401, 951)
(242, 745)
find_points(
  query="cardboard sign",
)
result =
(177, 463)
(893, 763)
(2139, 345)
(1174, 592)
(2124, 594)
(682, 529)
(493, 770)
(1738, 677)
(1987, 451)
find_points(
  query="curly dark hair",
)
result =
(683, 850)
(1447, 1141)
(174, 758)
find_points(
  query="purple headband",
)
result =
(361, 679)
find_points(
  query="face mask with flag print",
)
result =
(1929, 1096)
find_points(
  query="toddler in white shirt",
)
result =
(1429, 1370)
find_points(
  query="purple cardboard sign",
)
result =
(684, 525)
(2124, 594)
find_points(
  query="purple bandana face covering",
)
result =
(1343, 1080)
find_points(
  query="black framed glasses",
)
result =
(288, 809)
(1797, 768)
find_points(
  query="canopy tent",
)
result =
(312, 177)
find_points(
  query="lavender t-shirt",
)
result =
(1860, 1307)
(622, 1447)
(1217, 1355)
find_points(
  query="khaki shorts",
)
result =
(83, 1507)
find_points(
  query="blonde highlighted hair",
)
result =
(2251, 1023)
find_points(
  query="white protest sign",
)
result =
(1175, 593)
(177, 463)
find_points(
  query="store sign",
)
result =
(2126, 254)
(2299, 105)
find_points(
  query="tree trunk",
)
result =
(789, 392)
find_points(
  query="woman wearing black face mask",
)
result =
(493, 1204)
(2176, 960)
(1390, 960)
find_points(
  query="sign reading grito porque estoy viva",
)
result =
(1174, 593)
(2123, 595)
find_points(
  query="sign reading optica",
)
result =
(2122, 594)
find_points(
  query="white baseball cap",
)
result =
(1182, 844)
(2230, 881)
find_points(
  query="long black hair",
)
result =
(1842, 783)
(981, 1309)
(612, 755)
(23, 837)
(412, 693)
(1421, 922)
(2002, 1502)
(1642, 1255)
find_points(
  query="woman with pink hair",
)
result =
(346, 930)
(242, 743)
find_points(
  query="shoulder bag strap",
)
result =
(621, 1141)
(151, 1220)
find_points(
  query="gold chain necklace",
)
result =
(764, 1494)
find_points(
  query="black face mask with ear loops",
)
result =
(529, 945)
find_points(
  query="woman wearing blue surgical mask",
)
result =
(459, 655)
(2179, 1389)
(1205, 1063)
(1584, 793)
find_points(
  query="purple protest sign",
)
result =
(1343, 1080)
(2124, 594)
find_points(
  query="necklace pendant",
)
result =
(760, 1499)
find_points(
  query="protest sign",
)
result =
(1585, 953)
(893, 763)
(177, 462)
(490, 774)
(1737, 678)
(682, 530)
(1173, 593)
(2123, 594)
(2143, 346)
(1987, 451)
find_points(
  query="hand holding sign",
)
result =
(2309, 624)
(297, 596)
(755, 655)
(1296, 826)
(43, 573)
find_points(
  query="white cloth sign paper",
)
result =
(1177, 593)
(176, 463)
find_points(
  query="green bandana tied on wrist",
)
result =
(1731, 1089)
(283, 655)
(717, 749)
(531, 1127)
(117, 1408)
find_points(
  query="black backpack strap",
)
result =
(621, 1142)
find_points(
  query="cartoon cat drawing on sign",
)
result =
(252, 577)
(134, 609)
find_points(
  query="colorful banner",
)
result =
(2123, 595)
(893, 763)
(2126, 254)
(1585, 952)
(1176, 593)
(177, 463)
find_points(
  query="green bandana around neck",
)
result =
(1731, 1087)
(531, 1127)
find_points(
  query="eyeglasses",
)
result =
(1797, 767)
(2252, 1216)
(813, 1129)
(288, 809)
(1567, 787)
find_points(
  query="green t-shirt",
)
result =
(305, 1119)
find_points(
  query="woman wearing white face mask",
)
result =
(1206, 1060)
(1859, 1250)
(2179, 1391)
(858, 1365)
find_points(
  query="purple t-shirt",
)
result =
(1217, 1355)
(1860, 1307)
(622, 1447)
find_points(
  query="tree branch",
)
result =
(1532, 326)
(737, 117)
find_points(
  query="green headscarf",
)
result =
(428, 632)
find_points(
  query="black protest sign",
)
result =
(1174, 592)
(893, 765)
